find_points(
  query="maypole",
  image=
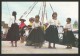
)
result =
(43, 11)
(51, 7)
(31, 9)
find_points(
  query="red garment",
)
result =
(22, 25)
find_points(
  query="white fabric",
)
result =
(53, 22)
(34, 25)
(68, 26)
(60, 29)
(5, 30)
(11, 21)
(26, 33)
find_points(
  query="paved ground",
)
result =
(22, 49)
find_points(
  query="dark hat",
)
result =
(31, 19)
(37, 16)
(22, 19)
(46, 24)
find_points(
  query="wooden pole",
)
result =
(44, 7)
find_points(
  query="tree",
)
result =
(75, 25)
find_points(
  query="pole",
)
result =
(27, 10)
(51, 7)
(31, 9)
(43, 12)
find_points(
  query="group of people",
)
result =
(38, 34)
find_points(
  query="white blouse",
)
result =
(68, 26)
(34, 25)
(54, 22)
(11, 21)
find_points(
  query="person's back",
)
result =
(13, 34)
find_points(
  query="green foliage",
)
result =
(75, 25)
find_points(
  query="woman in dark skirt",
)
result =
(13, 34)
(36, 35)
(51, 33)
(31, 20)
(68, 36)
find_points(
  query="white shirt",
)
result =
(26, 33)
(54, 22)
(11, 21)
(68, 26)
(34, 25)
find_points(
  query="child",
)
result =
(22, 31)
(68, 36)
(51, 34)
(31, 20)
(36, 35)
(28, 42)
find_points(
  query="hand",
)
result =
(65, 29)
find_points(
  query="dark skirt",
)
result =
(28, 42)
(51, 34)
(68, 37)
(22, 31)
(13, 33)
(36, 35)
(30, 30)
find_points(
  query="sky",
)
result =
(63, 9)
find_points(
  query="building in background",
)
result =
(4, 29)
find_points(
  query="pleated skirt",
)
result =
(51, 34)
(68, 37)
(36, 35)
